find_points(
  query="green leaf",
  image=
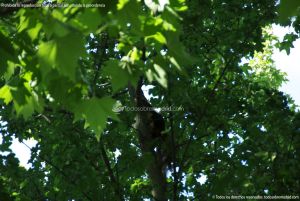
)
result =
(119, 76)
(7, 53)
(177, 50)
(174, 62)
(6, 45)
(88, 20)
(70, 49)
(288, 8)
(95, 111)
(33, 32)
(5, 94)
(20, 93)
(47, 54)
(130, 14)
(159, 37)
(59, 87)
(24, 23)
(61, 54)
(160, 75)
(108, 105)
(121, 4)
(30, 22)
(32, 103)
(54, 27)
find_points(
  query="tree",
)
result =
(66, 74)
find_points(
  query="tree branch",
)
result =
(174, 161)
(110, 172)
(201, 117)
(71, 181)
(173, 151)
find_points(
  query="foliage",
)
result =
(65, 70)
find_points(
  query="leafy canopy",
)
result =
(63, 71)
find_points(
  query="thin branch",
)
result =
(173, 151)
(201, 117)
(110, 172)
(187, 146)
(115, 181)
(46, 118)
(40, 194)
(116, 95)
(173, 145)
(71, 181)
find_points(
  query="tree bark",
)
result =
(151, 147)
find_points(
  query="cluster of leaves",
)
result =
(63, 71)
(39, 68)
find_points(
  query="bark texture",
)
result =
(149, 125)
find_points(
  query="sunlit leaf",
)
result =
(5, 94)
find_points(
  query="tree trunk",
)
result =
(149, 134)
